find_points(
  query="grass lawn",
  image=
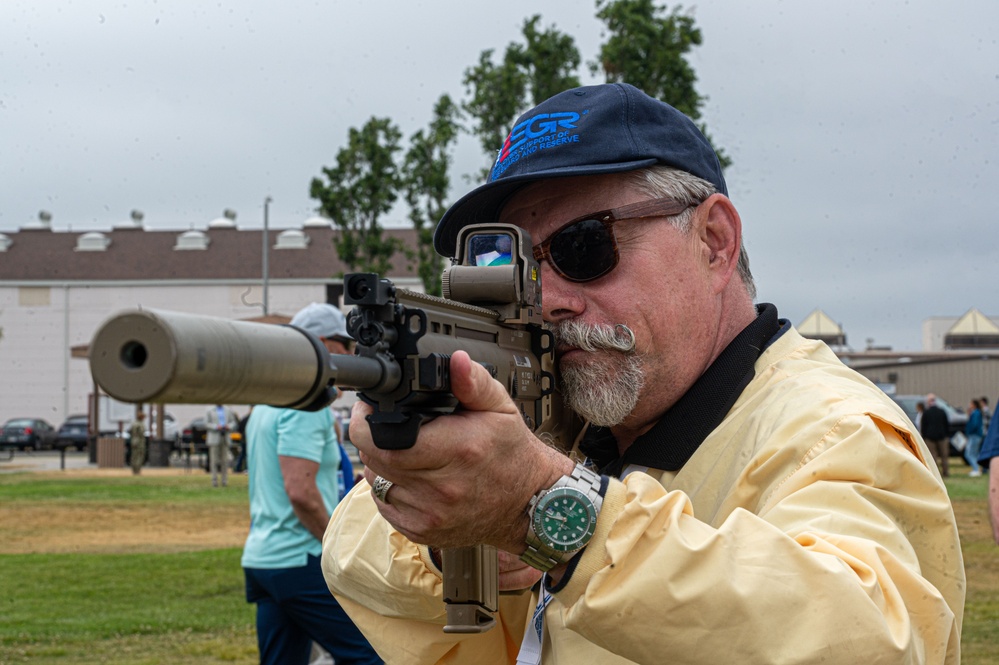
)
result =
(161, 583)
(123, 569)
(126, 608)
(980, 636)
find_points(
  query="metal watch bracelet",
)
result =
(537, 555)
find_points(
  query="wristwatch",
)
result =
(562, 519)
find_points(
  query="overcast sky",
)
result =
(863, 133)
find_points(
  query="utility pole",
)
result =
(267, 203)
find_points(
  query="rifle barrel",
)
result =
(172, 357)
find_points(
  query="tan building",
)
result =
(57, 287)
(818, 325)
(959, 359)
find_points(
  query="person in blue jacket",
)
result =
(973, 430)
(988, 459)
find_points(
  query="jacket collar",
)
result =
(677, 435)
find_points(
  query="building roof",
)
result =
(974, 323)
(818, 325)
(972, 331)
(136, 254)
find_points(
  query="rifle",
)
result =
(404, 340)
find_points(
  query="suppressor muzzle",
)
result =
(172, 357)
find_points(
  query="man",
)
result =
(137, 441)
(218, 422)
(988, 459)
(935, 428)
(293, 460)
(239, 466)
(756, 500)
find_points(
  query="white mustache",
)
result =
(590, 337)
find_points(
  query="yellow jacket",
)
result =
(810, 527)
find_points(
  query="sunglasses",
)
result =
(585, 248)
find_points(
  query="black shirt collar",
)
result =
(677, 435)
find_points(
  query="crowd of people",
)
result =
(934, 424)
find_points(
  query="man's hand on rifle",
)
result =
(470, 476)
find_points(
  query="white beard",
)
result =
(604, 389)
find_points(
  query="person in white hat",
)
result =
(293, 458)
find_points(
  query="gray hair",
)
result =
(671, 183)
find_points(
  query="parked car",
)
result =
(194, 435)
(27, 434)
(73, 433)
(956, 417)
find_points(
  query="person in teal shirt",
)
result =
(293, 461)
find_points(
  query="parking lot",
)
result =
(54, 460)
(44, 460)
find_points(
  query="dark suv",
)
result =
(73, 433)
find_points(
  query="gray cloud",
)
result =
(862, 133)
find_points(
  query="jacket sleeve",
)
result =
(974, 424)
(812, 564)
(391, 589)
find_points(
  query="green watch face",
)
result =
(565, 519)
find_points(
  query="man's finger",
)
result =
(475, 387)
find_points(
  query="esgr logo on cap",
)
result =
(543, 131)
(591, 130)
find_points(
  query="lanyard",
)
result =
(530, 648)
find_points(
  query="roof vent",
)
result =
(44, 221)
(135, 223)
(192, 240)
(92, 242)
(226, 221)
(317, 222)
(292, 239)
(5, 242)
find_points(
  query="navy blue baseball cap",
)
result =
(593, 130)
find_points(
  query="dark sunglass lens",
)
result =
(584, 250)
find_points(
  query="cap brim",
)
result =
(483, 204)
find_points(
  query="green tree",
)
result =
(496, 95)
(426, 182)
(528, 73)
(647, 47)
(358, 191)
(549, 60)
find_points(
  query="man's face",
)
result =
(660, 290)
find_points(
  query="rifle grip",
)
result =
(395, 430)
